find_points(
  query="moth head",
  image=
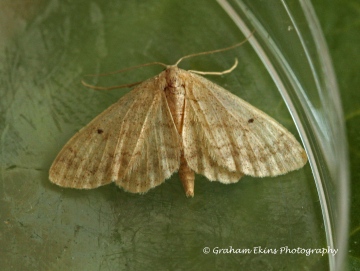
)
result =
(173, 78)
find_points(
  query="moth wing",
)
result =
(225, 137)
(133, 143)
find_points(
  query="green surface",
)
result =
(341, 24)
(48, 46)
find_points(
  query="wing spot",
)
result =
(100, 131)
(250, 120)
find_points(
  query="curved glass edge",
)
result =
(322, 132)
(341, 173)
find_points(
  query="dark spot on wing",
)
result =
(250, 120)
(100, 131)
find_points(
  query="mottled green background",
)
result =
(46, 48)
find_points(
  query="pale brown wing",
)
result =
(224, 137)
(133, 143)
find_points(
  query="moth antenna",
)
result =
(216, 51)
(130, 68)
(119, 71)
(217, 73)
(109, 88)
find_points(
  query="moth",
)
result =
(177, 121)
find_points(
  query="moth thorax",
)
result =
(175, 96)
